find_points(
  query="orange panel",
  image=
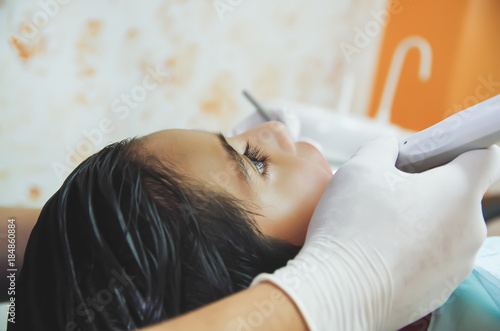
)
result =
(463, 36)
(476, 75)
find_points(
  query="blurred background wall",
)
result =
(76, 75)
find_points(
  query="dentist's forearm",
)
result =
(263, 307)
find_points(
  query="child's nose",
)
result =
(275, 133)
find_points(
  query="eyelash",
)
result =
(255, 154)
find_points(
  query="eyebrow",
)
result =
(236, 158)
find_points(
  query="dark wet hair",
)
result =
(128, 241)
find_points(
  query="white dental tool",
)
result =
(476, 127)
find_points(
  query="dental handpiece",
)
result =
(476, 127)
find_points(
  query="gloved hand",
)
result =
(384, 247)
(284, 115)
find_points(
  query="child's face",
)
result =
(287, 188)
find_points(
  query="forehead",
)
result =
(179, 145)
(199, 155)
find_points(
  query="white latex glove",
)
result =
(384, 247)
(286, 116)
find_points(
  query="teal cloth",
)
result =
(475, 304)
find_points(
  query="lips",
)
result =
(316, 147)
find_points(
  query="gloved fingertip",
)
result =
(493, 163)
(481, 167)
(383, 149)
(494, 149)
(291, 121)
(388, 137)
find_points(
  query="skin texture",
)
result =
(285, 196)
(264, 307)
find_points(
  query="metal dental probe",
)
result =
(259, 108)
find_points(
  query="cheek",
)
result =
(288, 208)
(303, 187)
